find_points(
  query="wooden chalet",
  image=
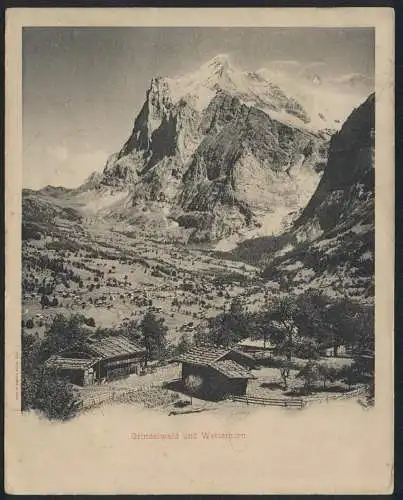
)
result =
(256, 346)
(221, 371)
(119, 356)
(99, 359)
(80, 369)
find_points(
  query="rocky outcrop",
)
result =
(348, 180)
(332, 243)
(207, 147)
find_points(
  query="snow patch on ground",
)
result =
(100, 200)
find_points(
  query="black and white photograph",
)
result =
(196, 209)
(197, 226)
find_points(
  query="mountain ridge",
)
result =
(197, 138)
(332, 243)
(217, 153)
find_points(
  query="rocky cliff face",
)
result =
(332, 243)
(348, 180)
(218, 151)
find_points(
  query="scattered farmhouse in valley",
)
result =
(264, 348)
(99, 358)
(256, 346)
(219, 371)
(336, 351)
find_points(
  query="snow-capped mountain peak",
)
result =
(219, 63)
(308, 103)
(198, 88)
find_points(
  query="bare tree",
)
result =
(285, 372)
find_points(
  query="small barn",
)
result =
(119, 356)
(214, 373)
(256, 347)
(78, 368)
(99, 359)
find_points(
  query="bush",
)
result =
(328, 374)
(309, 374)
(349, 375)
(89, 321)
(54, 396)
(184, 344)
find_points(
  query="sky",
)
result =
(83, 87)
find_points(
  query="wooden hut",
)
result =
(256, 347)
(220, 372)
(79, 368)
(119, 356)
(99, 358)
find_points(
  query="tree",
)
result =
(64, 333)
(282, 315)
(343, 317)
(90, 321)
(327, 373)
(309, 349)
(229, 327)
(131, 330)
(349, 375)
(310, 316)
(285, 372)
(44, 301)
(365, 331)
(153, 333)
(184, 344)
(54, 396)
(30, 358)
(176, 303)
(310, 374)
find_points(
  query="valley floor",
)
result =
(118, 276)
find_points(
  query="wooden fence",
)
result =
(102, 397)
(285, 403)
(360, 391)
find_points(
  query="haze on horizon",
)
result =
(83, 87)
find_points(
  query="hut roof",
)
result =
(61, 362)
(231, 369)
(202, 355)
(214, 357)
(108, 347)
(255, 343)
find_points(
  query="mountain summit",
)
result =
(218, 152)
